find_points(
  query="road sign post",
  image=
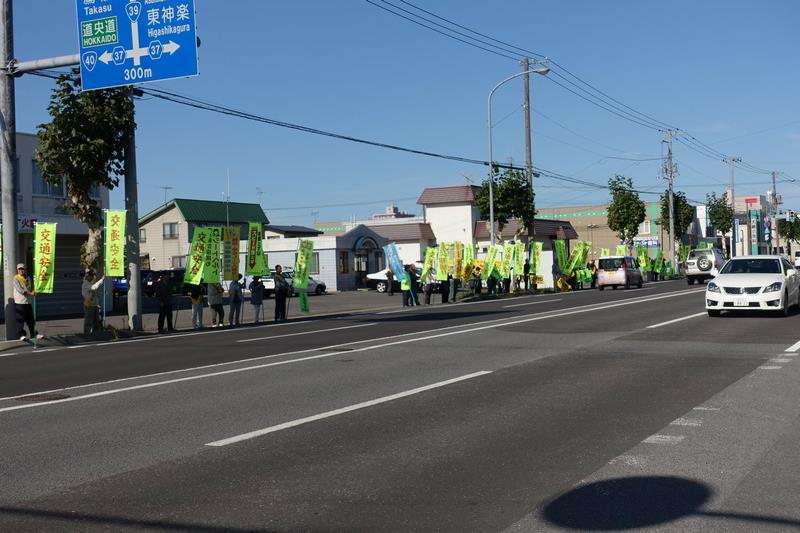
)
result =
(126, 42)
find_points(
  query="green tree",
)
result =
(720, 213)
(513, 199)
(789, 230)
(85, 144)
(626, 211)
(684, 212)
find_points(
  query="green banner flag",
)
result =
(442, 261)
(536, 258)
(605, 252)
(490, 262)
(560, 253)
(115, 243)
(430, 256)
(519, 259)
(683, 251)
(256, 264)
(621, 250)
(44, 257)
(644, 259)
(302, 263)
(211, 266)
(469, 261)
(658, 261)
(197, 255)
(304, 302)
(508, 259)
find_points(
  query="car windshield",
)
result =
(752, 266)
(611, 263)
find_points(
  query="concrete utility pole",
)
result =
(775, 212)
(527, 110)
(132, 230)
(669, 171)
(8, 124)
(731, 161)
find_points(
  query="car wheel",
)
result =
(786, 305)
(381, 286)
(714, 312)
(614, 287)
(601, 287)
(318, 290)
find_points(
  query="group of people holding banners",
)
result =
(509, 267)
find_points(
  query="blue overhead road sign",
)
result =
(124, 42)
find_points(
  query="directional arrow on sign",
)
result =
(171, 47)
(106, 57)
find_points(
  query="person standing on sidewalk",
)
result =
(235, 294)
(22, 303)
(281, 292)
(215, 303)
(389, 282)
(91, 316)
(164, 297)
(196, 296)
(257, 299)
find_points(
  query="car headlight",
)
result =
(712, 287)
(775, 287)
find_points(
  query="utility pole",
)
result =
(132, 231)
(731, 161)
(669, 171)
(8, 125)
(775, 212)
(527, 113)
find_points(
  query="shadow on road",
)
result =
(642, 501)
(74, 521)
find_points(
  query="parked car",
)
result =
(754, 283)
(797, 259)
(122, 285)
(618, 271)
(175, 282)
(314, 286)
(380, 282)
(703, 264)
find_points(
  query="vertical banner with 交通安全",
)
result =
(256, 263)
(394, 262)
(443, 261)
(491, 262)
(44, 257)
(115, 244)
(430, 257)
(197, 254)
(211, 271)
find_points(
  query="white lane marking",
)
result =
(794, 347)
(770, 367)
(780, 360)
(706, 408)
(786, 355)
(691, 422)
(663, 439)
(532, 303)
(493, 323)
(43, 350)
(308, 332)
(676, 320)
(629, 460)
(9, 354)
(335, 412)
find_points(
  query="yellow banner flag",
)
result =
(115, 243)
(44, 257)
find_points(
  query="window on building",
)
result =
(344, 262)
(179, 261)
(43, 188)
(142, 235)
(644, 228)
(144, 261)
(171, 230)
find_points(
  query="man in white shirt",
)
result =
(89, 293)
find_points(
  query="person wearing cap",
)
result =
(23, 293)
(164, 297)
(91, 324)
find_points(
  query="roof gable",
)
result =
(459, 194)
(211, 212)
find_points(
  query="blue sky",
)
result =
(724, 71)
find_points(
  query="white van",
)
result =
(618, 271)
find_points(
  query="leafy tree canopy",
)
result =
(513, 199)
(626, 211)
(684, 212)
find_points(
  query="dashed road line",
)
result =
(663, 439)
(780, 360)
(312, 332)
(702, 408)
(794, 347)
(335, 412)
(676, 320)
(770, 367)
(691, 422)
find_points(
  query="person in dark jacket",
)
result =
(281, 292)
(164, 298)
(389, 282)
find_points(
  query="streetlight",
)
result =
(541, 70)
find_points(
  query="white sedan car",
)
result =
(754, 282)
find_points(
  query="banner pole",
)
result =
(33, 286)
(105, 236)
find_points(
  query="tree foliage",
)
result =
(720, 212)
(626, 211)
(513, 199)
(85, 144)
(789, 230)
(684, 212)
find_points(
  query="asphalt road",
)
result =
(605, 411)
